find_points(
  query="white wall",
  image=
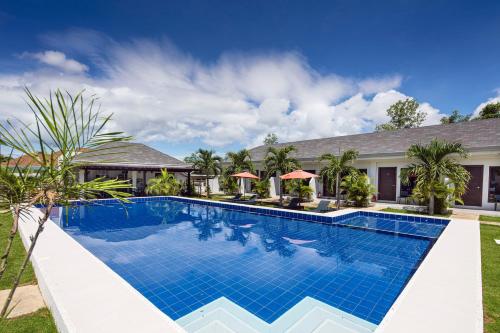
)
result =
(372, 165)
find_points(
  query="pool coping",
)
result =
(93, 298)
(49, 263)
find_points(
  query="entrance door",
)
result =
(474, 194)
(387, 184)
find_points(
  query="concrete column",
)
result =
(81, 176)
(134, 179)
(272, 187)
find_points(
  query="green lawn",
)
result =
(404, 211)
(38, 322)
(487, 218)
(16, 256)
(490, 257)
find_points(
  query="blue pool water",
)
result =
(182, 256)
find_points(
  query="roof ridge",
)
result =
(380, 133)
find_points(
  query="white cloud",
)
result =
(59, 60)
(495, 99)
(158, 93)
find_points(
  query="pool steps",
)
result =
(307, 316)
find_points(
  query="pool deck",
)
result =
(85, 295)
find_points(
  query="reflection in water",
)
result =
(170, 248)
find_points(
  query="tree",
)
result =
(358, 187)
(262, 188)
(298, 187)
(164, 184)
(63, 126)
(207, 163)
(278, 161)
(403, 114)
(239, 161)
(271, 139)
(436, 170)
(336, 167)
(489, 111)
(455, 117)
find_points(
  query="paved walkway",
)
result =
(27, 299)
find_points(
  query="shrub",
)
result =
(358, 187)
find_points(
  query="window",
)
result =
(494, 183)
(364, 171)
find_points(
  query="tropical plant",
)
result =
(208, 164)
(455, 117)
(336, 167)
(63, 125)
(489, 111)
(262, 188)
(435, 168)
(278, 161)
(403, 114)
(296, 186)
(227, 183)
(164, 184)
(358, 187)
(238, 162)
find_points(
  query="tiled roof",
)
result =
(476, 135)
(129, 154)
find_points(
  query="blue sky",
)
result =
(163, 66)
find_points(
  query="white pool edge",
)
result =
(83, 294)
(445, 293)
(77, 311)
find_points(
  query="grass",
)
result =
(487, 218)
(38, 322)
(490, 257)
(404, 211)
(16, 257)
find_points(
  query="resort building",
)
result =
(134, 161)
(382, 157)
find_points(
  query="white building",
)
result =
(382, 156)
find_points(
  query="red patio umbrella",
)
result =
(298, 174)
(245, 175)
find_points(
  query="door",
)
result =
(474, 194)
(387, 184)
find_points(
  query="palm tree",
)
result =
(63, 126)
(208, 163)
(165, 184)
(278, 160)
(436, 170)
(336, 167)
(239, 161)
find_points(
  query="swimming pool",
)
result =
(183, 254)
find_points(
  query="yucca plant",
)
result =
(164, 184)
(437, 171)
(63, 125)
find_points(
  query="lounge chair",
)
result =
(237, 197)
(252, 200)
(294, 204)
(323, 207)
